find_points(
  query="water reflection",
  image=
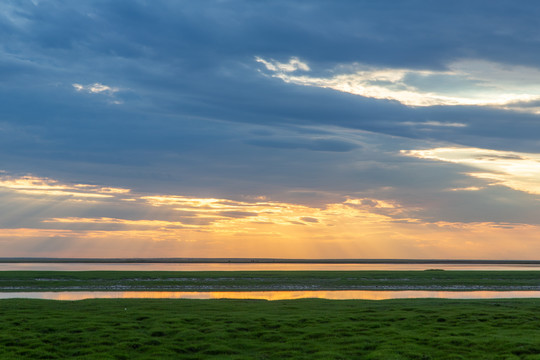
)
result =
(273, 295)
(254, 267)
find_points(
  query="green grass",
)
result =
(267, 280)
(249, 329)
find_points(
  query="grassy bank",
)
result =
(298, 329)
(267, 280)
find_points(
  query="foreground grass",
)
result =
(267, 280)
(248, 329)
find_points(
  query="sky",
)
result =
(286, 129)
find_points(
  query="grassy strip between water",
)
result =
(251, 329)
(267, 280)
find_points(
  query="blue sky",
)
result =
(355, 129)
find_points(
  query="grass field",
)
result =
(267, 280)
(248, 329)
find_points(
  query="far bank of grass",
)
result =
(248, 329)
(267, 280)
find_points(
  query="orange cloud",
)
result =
(42, 186)
(182, 226)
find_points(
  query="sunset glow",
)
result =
(183, 226)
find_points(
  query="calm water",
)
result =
(254, 267)
(273, 295)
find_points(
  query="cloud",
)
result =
(223, 212)
(237, 214)
(204, 119)
(435, 124)
(96, 88)
(518, 171)
(132, 224)
(465, 83)
(222, 227)
(40, 186)
(293, 65)
(333, 145)
(470, 188)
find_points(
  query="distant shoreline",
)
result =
(261, 261)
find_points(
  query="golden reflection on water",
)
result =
(273, 295)
(256, 267)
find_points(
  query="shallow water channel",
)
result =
(256, 267)
(272, 295)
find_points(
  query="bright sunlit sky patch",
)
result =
(463, 83)
(514, 170)
(293, 129)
